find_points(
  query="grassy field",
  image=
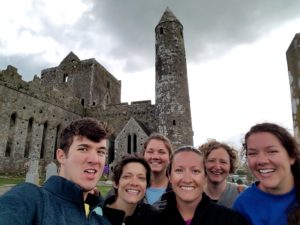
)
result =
(4, 180)
(104, 190)
(10, 180)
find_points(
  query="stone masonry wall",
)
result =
(293, 62)
(21, 112)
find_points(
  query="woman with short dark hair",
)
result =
(130, 179)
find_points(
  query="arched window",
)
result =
(66, 77)
(11, 134)
(28, 138)
(56, 141)
(129, 144)
(134, 143)
(45, 129)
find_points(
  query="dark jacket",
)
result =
(144, 214)
(207, 213)
(57, 202)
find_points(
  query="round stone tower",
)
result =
(173, 110)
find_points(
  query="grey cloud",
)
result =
(207, 24)
(210, 29)
(27, 65)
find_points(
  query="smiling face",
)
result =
(187, 177)
(132, 184)
(217, 166)
(84, 162)
(270, 163)
(157, 156)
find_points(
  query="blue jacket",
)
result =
(57, 202)
(260, 207)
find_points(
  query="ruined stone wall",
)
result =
(90, 82)
(105, 88)
(30, 119)
(293, 62)
(118, 115)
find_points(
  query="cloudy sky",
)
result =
(235, 52)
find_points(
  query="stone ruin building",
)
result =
(293, 63)
(33, 113)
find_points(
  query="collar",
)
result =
(64, 188)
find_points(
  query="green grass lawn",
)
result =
(10, 180)
(104, 190)
(16, 180)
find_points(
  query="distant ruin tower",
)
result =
(293, 62)
(173, 110)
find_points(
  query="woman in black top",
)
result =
(188, 204)
(131, 178)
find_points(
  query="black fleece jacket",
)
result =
(207, 213)
(144, 214)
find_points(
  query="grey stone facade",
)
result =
(33, 113)
(293, 62)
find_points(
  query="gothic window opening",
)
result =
(108, 84)
(28, 142)
(56, 140)
(82, 101)
(111, 150)
(129, 144)
(66, 77)
(11, 134)
(134, 143)
(174, 122)
(45, 128)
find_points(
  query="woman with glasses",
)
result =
(187, 204)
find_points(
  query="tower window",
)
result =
(82, 101)
(66, 77)
(161, 30)
(174, 122)
(108, 84)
